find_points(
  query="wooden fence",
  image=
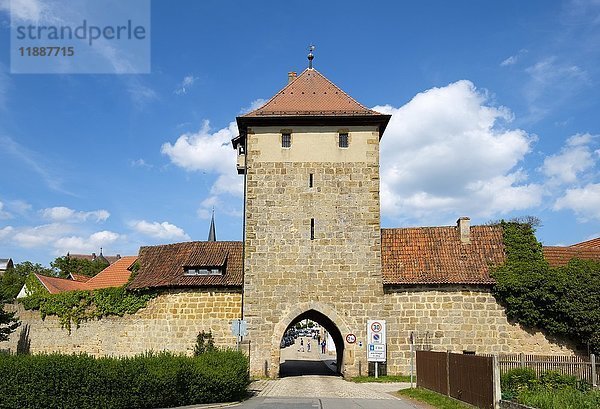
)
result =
(584, 369)
(469, 378)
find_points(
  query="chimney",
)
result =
(464, 230)
(292, 76)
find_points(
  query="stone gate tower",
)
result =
(310, 159)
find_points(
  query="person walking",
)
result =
(323, 344)
(308, 345)
(301, 349)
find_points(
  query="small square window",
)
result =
(343, 140)
(286, 140)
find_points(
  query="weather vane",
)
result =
(311, 48)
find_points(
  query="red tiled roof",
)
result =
(311, 94)
(435, 255)
(560, 256)
(164, 266)
(79, 277)
(56, 285)
(115, 275)
(588, 244)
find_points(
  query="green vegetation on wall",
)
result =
(563, 301)
(74, 307)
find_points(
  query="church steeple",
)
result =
(212, 235)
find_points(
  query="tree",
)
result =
(14, 278)
(8, 323)
(63, 266)
(563, 301)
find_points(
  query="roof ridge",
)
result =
(307, 71)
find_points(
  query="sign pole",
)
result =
(376, 369)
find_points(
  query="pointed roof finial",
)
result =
(212, 235)
(311, 48)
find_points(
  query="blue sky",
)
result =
(495, 114)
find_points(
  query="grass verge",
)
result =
(383, 379)
(567, 398)
(433, 398)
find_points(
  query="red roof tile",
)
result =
(115, 275)
(79, 277)
(308, 95)
(560, 256)
(588, 244)
(56, 285)
(435, 255)
(164, 266)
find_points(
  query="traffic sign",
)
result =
(351, 338)
(376, 335)
(239, 328)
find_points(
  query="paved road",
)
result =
(318, 388)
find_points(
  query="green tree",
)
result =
(8, 323)
(66, 265)
(563, 301)
(14, 278)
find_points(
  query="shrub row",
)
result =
(145, 381)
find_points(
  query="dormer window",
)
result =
(343, 139)
(286, 140)
(203, 271)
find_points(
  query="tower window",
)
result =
(310, 180)
(343, 140)
(286, 140)
(312, 229)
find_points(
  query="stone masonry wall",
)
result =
(170, 322)
(286, 273)
(456, 318)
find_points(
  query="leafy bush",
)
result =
(73, 307)
(515, 380)
(145, 381)
(556, 380)
(204, 343)
(563, 301)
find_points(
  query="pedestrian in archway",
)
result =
(301, 349)
(308, 345)
(323, 344)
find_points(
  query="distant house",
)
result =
(94, 257)
(115, 275)
(5, 264)
(560, 256)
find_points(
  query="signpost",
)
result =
(239, 329)
(376, 342)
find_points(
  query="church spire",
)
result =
(212, 235)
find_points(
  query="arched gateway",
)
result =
(314, 311)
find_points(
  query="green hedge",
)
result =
(148, 381)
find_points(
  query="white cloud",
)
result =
(26, 10)
(185, 85)
(164, 230)
(4, 214)
(204, 151)
(574, 158)
(6, 232)
(257, 103)
(221, 207)
(40, 236)
(513, 59)
(584, 201)
(61, 213)
(141, 163)
(446, 154)
(78, 244)
(551, 83)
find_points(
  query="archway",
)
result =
(305, 363)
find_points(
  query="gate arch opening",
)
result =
(295, 367)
